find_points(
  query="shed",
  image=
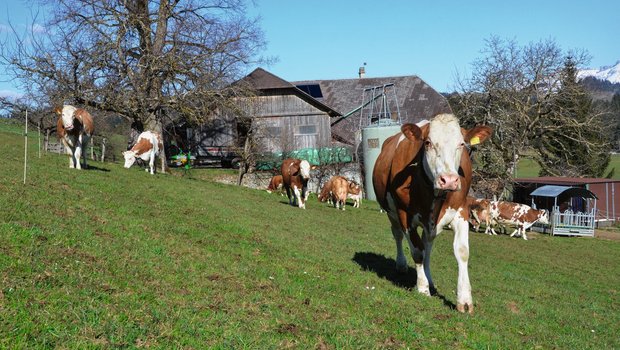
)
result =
(572, 212)
(606, 190)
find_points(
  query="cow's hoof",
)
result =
(469, 308)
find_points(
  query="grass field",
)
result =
(116, 258)
(529, 168)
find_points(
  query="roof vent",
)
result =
(362, 72)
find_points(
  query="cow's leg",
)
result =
(428, 247)
(84, 146)
(297, 192)
(69, 151)
(77, 156)
(418, 253)
(401, 259)
(515, 231)
(152, 164)
(461, 252)
(289, 194)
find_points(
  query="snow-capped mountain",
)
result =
(611, 74)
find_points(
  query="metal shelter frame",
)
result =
(565, 221)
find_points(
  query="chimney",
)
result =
(362, 72)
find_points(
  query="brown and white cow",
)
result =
(421, 179)
(355, 193)
(326, 192)
(479, 209)
(146, 148)
(339, 191)
(295, 176)
(74, 128)
(521, 215)
(275, 183)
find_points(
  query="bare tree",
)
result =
(138, 58)
(515, 89)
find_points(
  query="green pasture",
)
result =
(116, 258)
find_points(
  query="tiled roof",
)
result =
(416, 100)
(261, 79)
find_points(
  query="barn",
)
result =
(607, 206)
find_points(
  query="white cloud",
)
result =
(11, 94)
(38, 29)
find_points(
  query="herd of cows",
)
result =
(75, 127)
(421, 178)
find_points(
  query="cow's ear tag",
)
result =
(474, 140)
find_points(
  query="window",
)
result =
(307, 129)
(274, 131)
(313, 90)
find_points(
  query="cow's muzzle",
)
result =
(449, 182)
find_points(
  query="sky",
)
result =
(435, 40)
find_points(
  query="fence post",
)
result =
(39, 134)
(46, 143)
(103, 149)
(26, 147)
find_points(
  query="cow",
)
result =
(74, 127)
(479, 210)
(521, 215)
(355, 193)
(326, 192)
(275, 183)
(295, 176)
(146, 148)
(339, 191)
(421, 179)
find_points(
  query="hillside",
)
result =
(116, 258)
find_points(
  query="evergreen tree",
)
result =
(561, 152)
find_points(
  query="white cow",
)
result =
(146, 148)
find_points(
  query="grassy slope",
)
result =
(112, 257)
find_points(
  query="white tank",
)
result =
(372, 140)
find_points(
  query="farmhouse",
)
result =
(307, 114)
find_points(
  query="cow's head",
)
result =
(67, 115)
(354, 188)
(543, 216)
(304, 169)
(130, 158)
(443, 141)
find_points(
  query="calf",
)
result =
(295, 176)
(355, 193)
(146, 148)
(275, 183)
(421, 179)
(521, 215)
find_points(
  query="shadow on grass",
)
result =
(386, 268)
(92, 167)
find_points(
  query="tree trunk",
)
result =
(154, 124)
